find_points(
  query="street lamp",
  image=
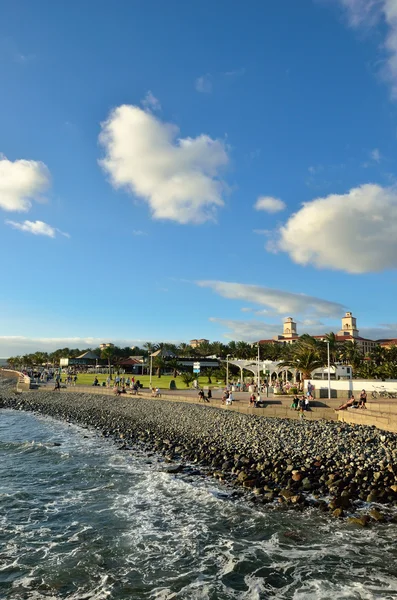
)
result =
(227, 371)
(151, 370)
(258, 379)
(329, 371)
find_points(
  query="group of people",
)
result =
(256, 401)
(301, 403)
(354, 403)
(204, 398)
(227, 397)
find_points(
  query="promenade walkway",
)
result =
(275, 406)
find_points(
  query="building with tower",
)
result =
(347, 333)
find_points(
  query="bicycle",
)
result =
(382, 393)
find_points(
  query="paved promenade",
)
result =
(275, 406)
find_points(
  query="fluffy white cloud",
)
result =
(12, 345)
(269, 204)
(37, 228)
(178, 177)
(203, 84)
(279, 301)
(354, 232)
(364, 13)
(247, 331)
(21, 182)
(151, 103)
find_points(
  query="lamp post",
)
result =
(258, 379)
(151, 370)
(227, 371)
(329, 372)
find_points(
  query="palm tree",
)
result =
(219, 349)
(150, 347)
(175, 365)
(184, 349)
(352, 355)
(305, 360)
(160, 363)
(334, 347)
(108, 353)
(188, 378)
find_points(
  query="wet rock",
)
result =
(360, 521)
(375, 514)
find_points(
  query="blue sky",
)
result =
(174, 170)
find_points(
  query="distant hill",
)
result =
(3, 362)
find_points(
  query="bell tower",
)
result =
(349, 325)
(289, 328)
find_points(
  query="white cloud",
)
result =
(138, 232)
(354, 232)
(368, 13)
(37, 228)
(248, 331)
(21, 182)
(13, 345)
(178, 177)
(376, 155)
(151, 103)
(281, 302)
(252, 331)
(203, 84)
(269, 204)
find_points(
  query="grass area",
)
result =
(161, 382)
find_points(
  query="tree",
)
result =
(160, 363)
(306, 355)
(352, 355)
(188, 378)
(150, 347)
(219, 350)
(184, 350)
(334, 347)
(175, 365)
(209, 372)
(108, 353)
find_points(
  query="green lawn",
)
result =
(161, 382)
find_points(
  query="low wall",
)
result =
(23, 381)
(382, 420)
(345, 388)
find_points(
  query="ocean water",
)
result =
(83, 520)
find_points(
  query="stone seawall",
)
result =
(333, 466)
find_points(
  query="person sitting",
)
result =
(116, 390)
(363, 399)
(57, 386)
(351, 403)
(157, 393)
(229, 399)
(295, 403)
(253, 399)
(96, 381)
(307, 403)
(123, 390)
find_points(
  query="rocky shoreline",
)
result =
(344, 470)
